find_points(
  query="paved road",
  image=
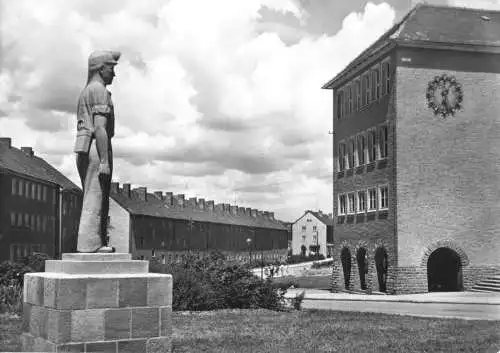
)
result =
(462, 305)
(461, 311)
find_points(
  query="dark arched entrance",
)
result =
(381, 265)
(362, 266)
(345, 257)
(444, 271)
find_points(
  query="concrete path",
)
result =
(461, 305)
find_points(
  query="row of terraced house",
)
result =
(40, 210)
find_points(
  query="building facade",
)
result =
(39, 207)
(163, 225)
(416, 156)
(312, 233)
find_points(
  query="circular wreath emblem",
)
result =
(444, 95)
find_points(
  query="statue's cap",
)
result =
(101, 57)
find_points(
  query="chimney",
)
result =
(254, 212)
(227, 208)
(180, 200)
(142, 192)
(266, 215)
(248, 211)
(219, 207)
(201, 204)
(210, 205)
(126, 189)
(233, 210)
(115, 187)
(271, 215)
(241, 211)
(158, 195)
(169, 198)
(28, 151)
(6, 141)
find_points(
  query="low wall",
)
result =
(296, 270)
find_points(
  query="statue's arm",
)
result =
(102, 143)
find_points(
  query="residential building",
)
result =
(417, 155)
(312, 230)
(39, 206)
(164, 225)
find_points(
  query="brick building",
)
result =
(39, 206)
(313, 228)
(164, 225)
(417, 155)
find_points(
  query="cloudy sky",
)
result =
(217, 99)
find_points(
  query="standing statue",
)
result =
(94, 155)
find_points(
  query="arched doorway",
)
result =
(362, 266)
(381, 265)
(444, 271)
(345, 257)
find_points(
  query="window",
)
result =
(386, 78)
(384, 197)
(21, 188)
(315, 228)
(340, 104)
(38, 223)
(376, 83)
(19, 219)
(368, 87)
(341, 157)
(361, 201)
(44, 224)
(357, 95)
(364, 87)
(39, 196)
(372, 199)
(372, 146)
(350, 100)
(32, 222)
(33, 191)
(13, 219)
(383, 141)
(14, 184)
(44, 193)
(351, 204)
(342, 205)
(26, 220)
(304, 228)
(350, 156)
(361, 149)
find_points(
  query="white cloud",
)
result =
(209, 102)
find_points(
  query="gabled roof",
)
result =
(324, 218)
(435, 25)
(155, 207)
(15, 160)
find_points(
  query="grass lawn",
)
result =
(312, 331)
(317, 282)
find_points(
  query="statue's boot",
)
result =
(106, 249)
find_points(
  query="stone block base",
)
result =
(97, 312)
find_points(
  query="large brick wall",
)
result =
(448, 171)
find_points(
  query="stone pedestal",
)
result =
(97, 303)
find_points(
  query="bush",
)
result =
(36, 261)
(11, 299)
(297, 300)
(12, 273)
(213, 283)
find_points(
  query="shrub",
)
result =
(213, 283)
(12, 273)
(11, 298)
(322, 264)
(36, 261)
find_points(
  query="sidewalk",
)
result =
(434, 297)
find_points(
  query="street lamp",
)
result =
(249, 244)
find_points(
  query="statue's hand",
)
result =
(104, 169)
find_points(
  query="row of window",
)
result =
(364, 148)
(30, 190)
(376, 198)
(304, 228)
(18, 251)
(364, 89)
(37, 223)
